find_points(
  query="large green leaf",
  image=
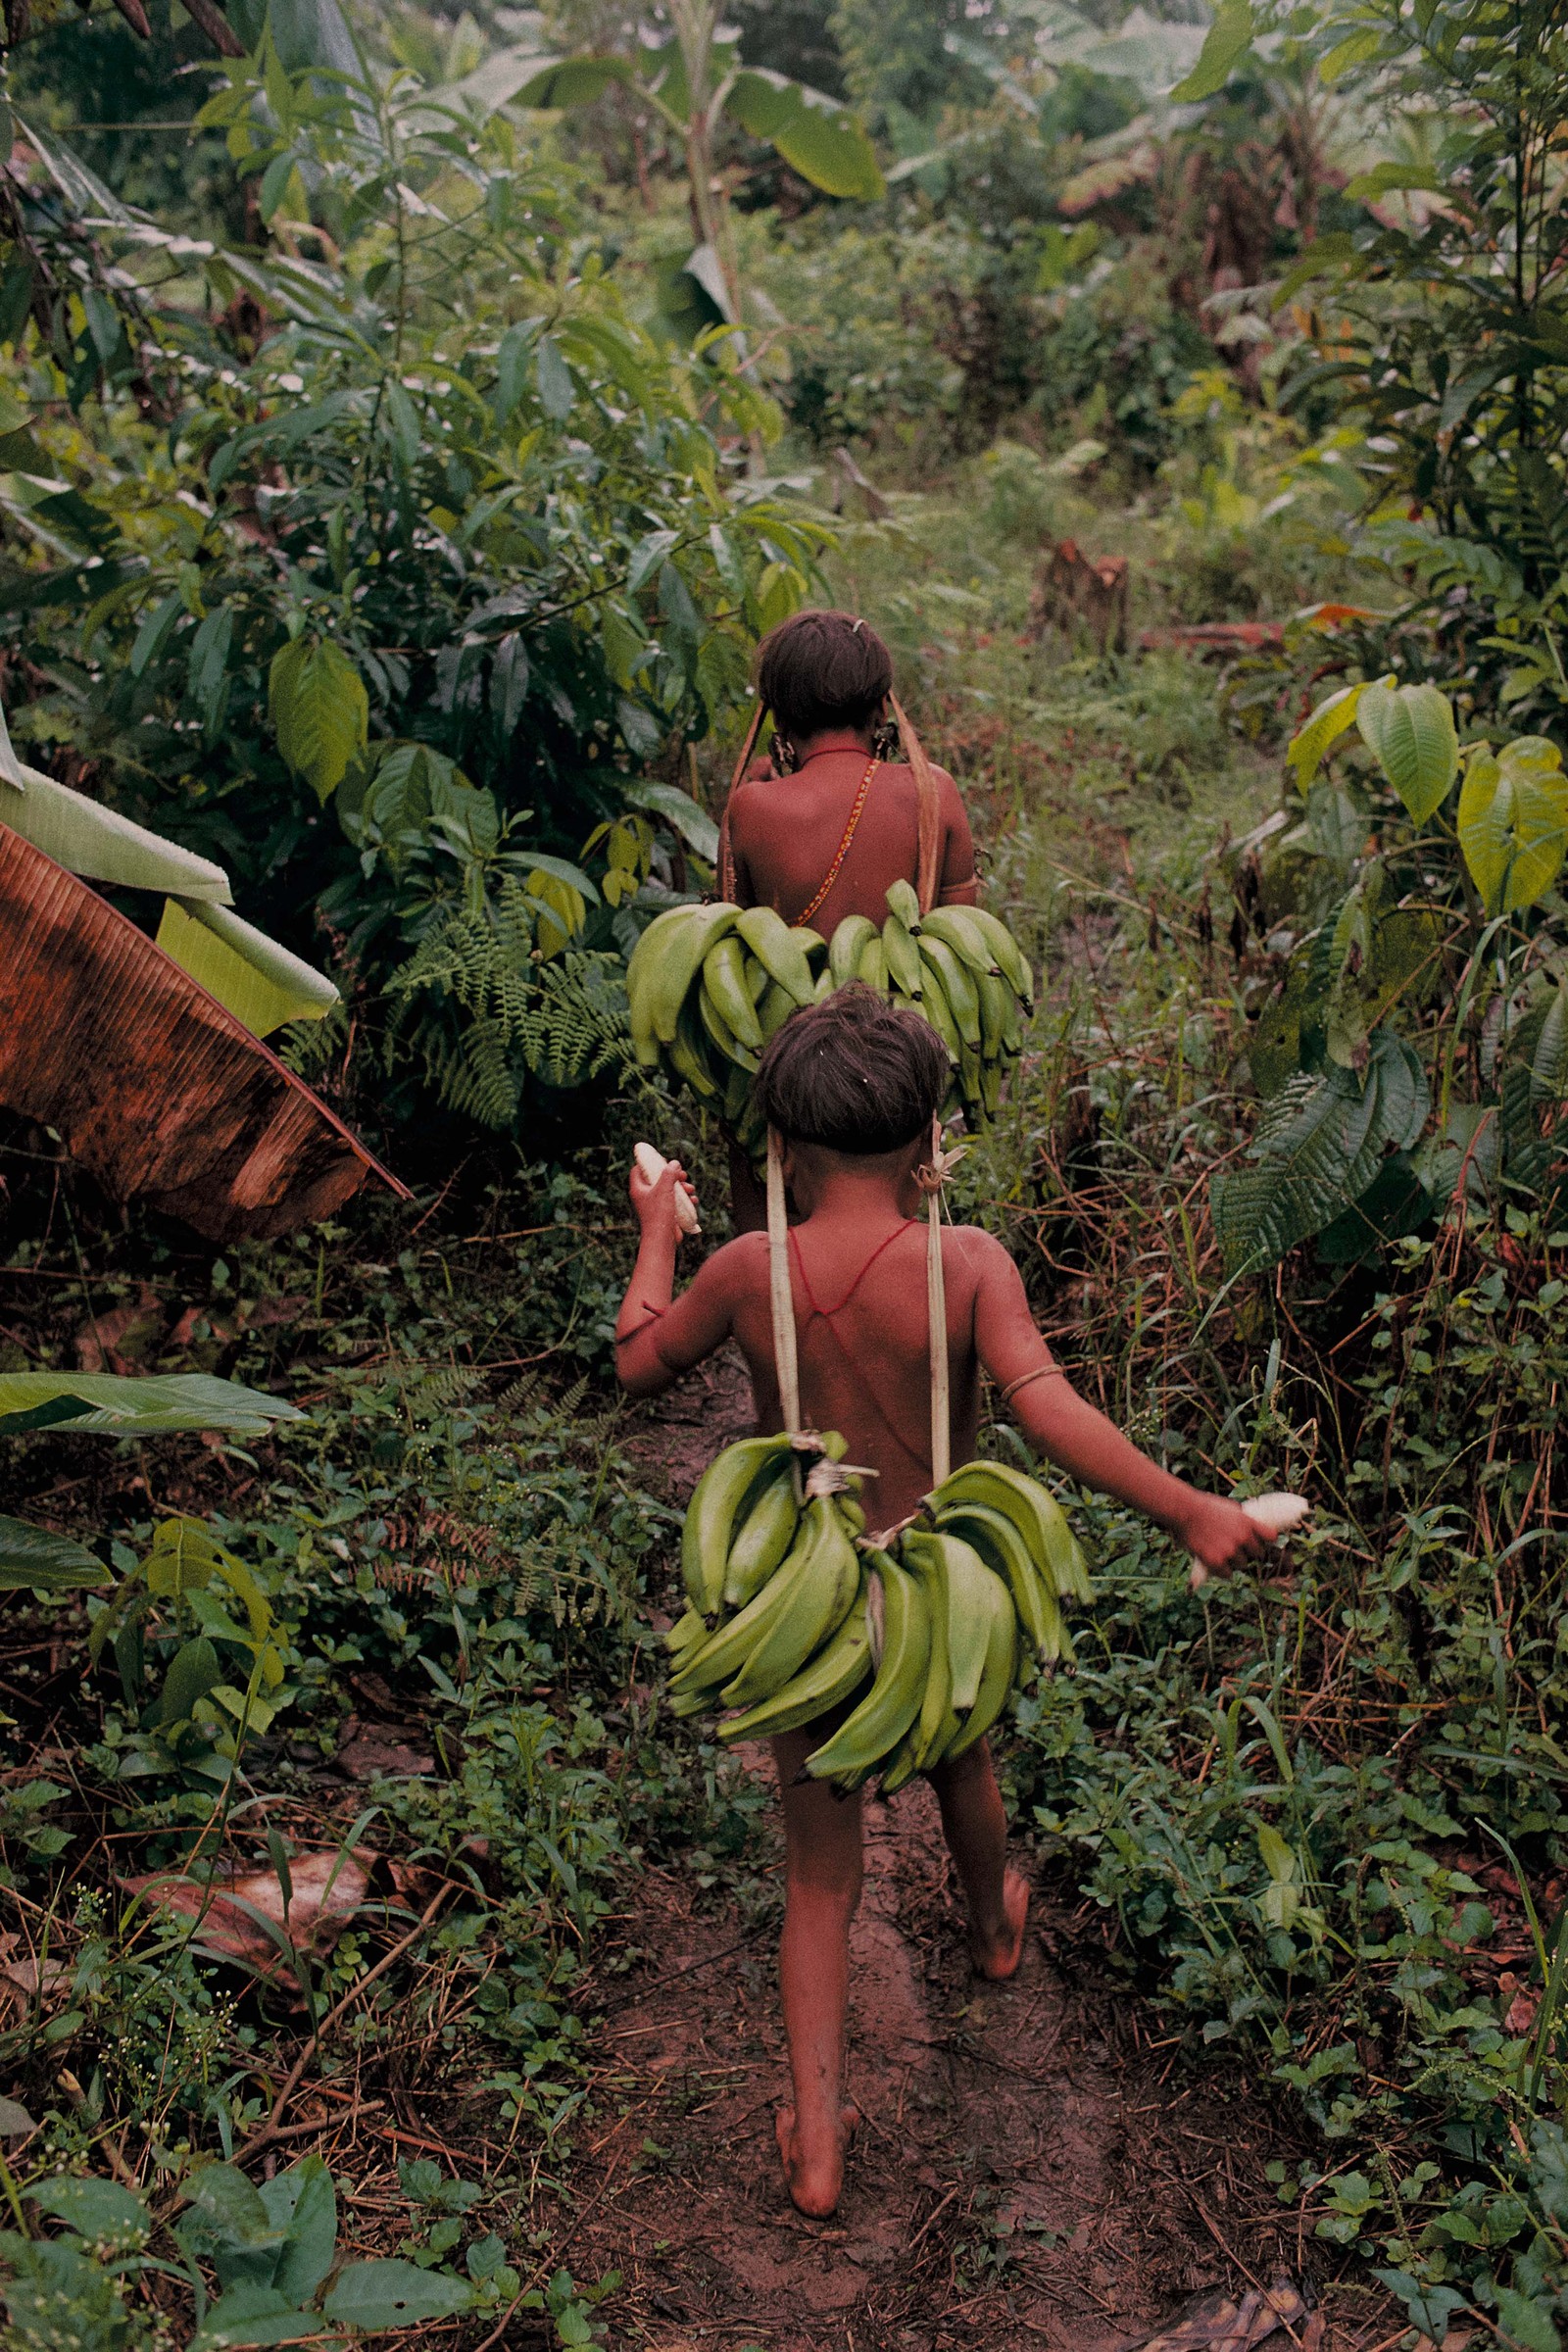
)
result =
(124, 1407)
(563, 82)
(815, 135)
(321, 711)
(1513, 822)
(304, 2201)
(394, 2295)
(260, 982)
(1548, 1064)
(94, 2209)
(1318, 1148)
(1411, 732)
(1327, 723)
(1395, 1203)
(1225, 44)
(678, 809)
(102, 846)
(254, 2316)
(33, 1559)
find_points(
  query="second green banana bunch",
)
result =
(792, 1613)
(709, 985)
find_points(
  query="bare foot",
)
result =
(813, 2176)
(996, 1957)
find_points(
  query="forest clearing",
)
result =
(412, 422)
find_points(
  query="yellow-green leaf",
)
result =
(321, 711)
(260, 982)
(1225, 44)
(1328, 722)
(1353, 50)
(1411, 732)
(1513, 822)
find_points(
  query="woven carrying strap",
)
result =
(927, 876)
(727, 857)
(781, 1297)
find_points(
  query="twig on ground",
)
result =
(269, 2131)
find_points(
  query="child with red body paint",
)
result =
(825, 824)
(851, 1086)
(829, 786)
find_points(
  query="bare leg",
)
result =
(822, 1892)
(975, 1827)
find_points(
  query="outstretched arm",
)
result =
(657, 1337)
(1081, 1440)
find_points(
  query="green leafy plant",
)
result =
(1418, 1040)
(107, 1404)
(271, 2251)
(511, 566)
(692, 81)
(221, 1681)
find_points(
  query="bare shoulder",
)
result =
(753, 798)
(738, 1266)
(980, 1254)
(947, 788)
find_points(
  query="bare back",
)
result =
(862, 1339)
(784, 832)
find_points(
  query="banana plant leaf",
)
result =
(262, 984)
(89, 838)
(35, 1560)
(153, 1084)
(122, 1405)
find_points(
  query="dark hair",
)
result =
(823, 669)
(853, 1073)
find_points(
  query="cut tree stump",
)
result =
(1076, 593)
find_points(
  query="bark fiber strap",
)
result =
(726, 858)
(927, 877)
(781, 1296)
(936, 1299)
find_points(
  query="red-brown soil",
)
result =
(1038, 2163)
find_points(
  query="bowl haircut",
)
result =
(818, 670)
(854, 1074)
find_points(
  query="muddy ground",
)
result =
(1038, 2163)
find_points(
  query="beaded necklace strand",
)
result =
(871, 767)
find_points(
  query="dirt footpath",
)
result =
(1035, 2166)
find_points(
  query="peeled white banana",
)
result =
(1278, 1515)
(652, 1164)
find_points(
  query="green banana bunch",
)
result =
(832, 1675)
(708, 986)
(792, 1615)
(1037, 1515)
(949, 965)
(888, 1708)
(712, 1511)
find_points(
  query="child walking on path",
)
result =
(851, 1086)
(828, 823)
